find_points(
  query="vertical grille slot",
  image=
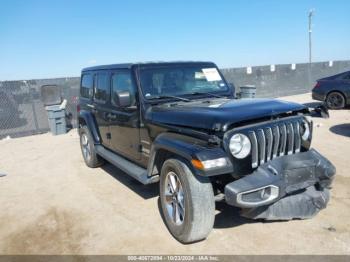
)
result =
(276, 139)
(283, 144)
(290, 138)
(262, 146)
(297, 137)
(269, 140)
(254, 142)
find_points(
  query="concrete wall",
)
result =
(285, 79)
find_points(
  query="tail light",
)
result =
(78, 108)
(318, 84)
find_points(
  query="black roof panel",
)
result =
(105, 67)
(129, 65)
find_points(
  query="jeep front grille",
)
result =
(271, 142)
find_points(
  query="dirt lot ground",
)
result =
(51, 203)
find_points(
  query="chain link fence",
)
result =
(22, 113)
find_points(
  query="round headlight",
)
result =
(305, 130)
(240, 146)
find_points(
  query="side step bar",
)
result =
(128, 167)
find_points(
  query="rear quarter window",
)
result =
(87, 83)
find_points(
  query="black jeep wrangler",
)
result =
(179, 124)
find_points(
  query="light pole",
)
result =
(311, 13)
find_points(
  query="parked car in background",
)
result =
(334, 90)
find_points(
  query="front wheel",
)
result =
(335, 100)
(187, 202)
(88, 148)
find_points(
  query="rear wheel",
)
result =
(335, 100)
(88, 148)
(187, 202)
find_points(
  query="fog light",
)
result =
(258, 196)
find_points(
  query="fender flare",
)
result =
(90, 122)
(187, 148)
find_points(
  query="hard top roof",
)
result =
(129, 65)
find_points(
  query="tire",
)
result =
(335, 100)
(88, 149)
(195, 205)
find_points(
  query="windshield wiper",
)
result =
(206, 93)
(169, 96)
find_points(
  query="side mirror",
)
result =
(124, 99)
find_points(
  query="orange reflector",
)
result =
(197, 164)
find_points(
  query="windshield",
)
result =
(181, 80)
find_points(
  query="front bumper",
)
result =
(282, 178)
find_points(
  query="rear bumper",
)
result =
(319, 97)
(279, 178)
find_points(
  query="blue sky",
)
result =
(45, 39)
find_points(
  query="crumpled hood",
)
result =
(208, 114)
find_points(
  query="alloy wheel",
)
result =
(174, 198)
(85, 145)
(335, 100)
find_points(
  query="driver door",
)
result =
(124, 121)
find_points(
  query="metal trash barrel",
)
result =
(57, 119)
(247, 91)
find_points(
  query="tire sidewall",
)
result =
(94, 160)
(341, 95)
(178, 231)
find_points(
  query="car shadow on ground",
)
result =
(226, 216)
(229, 216)
(342, 130)
(144, 191)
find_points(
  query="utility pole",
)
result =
(311, 13)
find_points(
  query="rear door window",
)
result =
(87, 84)
(101, 87)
